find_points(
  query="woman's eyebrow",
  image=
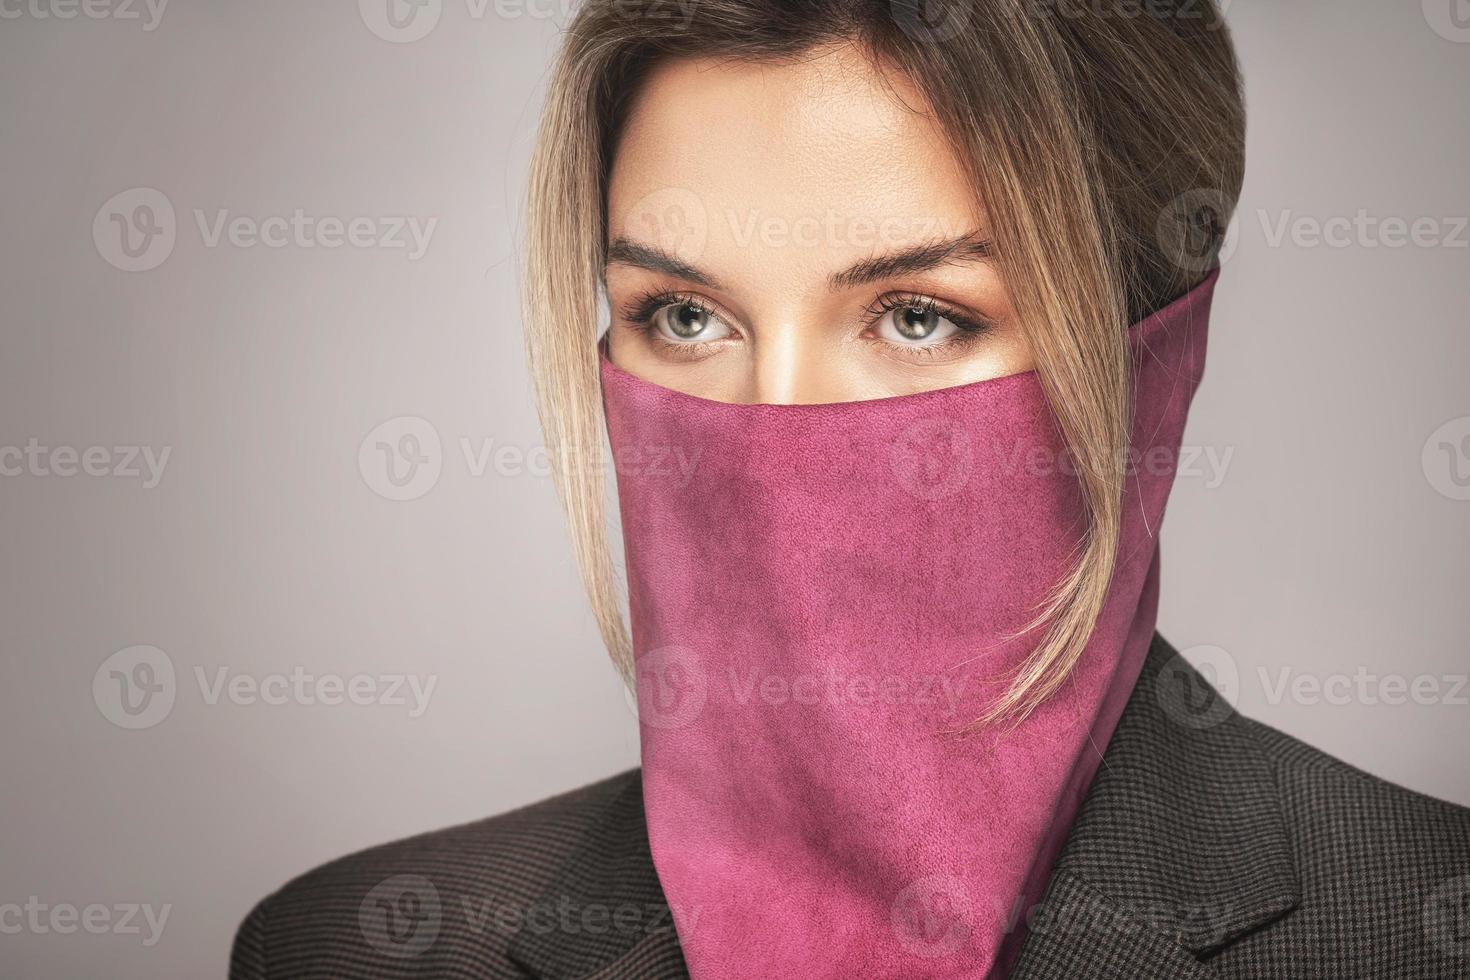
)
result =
(656, 259)
(972, 246)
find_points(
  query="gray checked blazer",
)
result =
(1209, 846)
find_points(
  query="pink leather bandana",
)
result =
(819, 593)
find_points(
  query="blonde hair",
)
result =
(1104, 138)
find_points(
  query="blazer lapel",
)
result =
(1179, 848)
(606, 915)
(1089, 937)
(656, 956)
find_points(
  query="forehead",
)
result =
(817, 161)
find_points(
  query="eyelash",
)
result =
(639, 312)
(889, 302)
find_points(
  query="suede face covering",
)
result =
(821, 595)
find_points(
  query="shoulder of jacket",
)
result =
(1383, 871)
(441, 903)
(1305, 772)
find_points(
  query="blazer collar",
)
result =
(611, 889)
(1179, 848)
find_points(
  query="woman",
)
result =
(904, 317)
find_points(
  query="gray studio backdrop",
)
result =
(255, 253)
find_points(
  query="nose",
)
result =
(788, 367)
(776, 365)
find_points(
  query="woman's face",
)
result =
(795, 233)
